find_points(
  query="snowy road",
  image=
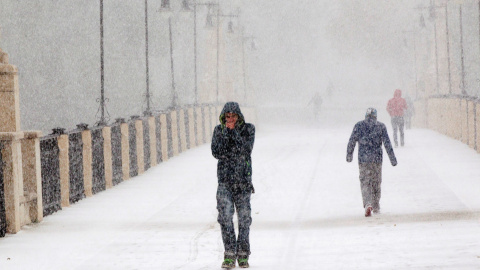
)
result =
(307, 212)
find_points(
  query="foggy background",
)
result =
(355, 53)
(351, 52)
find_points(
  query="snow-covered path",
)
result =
(307, 212)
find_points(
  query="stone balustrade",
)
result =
(40, 175)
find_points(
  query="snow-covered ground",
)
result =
(307, 211)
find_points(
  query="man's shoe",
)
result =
(368, 211)
(229, 260)
(376, 211)
(228, 263)
(243, 262)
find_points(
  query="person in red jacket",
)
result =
(396, 107)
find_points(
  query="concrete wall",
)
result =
(453, 116)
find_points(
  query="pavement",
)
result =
(307, 211)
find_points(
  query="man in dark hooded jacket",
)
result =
(232, 145)
(370, 134)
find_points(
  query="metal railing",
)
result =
(132, 141)
(146, 143)
(98, 160)
(75, 158)
(50, 171)
(78, 168)
(116, 133)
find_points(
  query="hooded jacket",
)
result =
(397, 105)
(370, 134)
(233, 149)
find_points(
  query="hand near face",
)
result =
(231, 119)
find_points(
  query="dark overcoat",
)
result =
(233, 149)
(370, 134)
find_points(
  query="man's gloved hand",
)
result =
(349, 158)
(394, 163)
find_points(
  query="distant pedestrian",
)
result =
(232, 145)
(409, 113)
(396, 107)
(316, 102)
(370, 134)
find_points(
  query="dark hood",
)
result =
(232, 107)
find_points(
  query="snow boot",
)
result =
(243, 259)
(229, 260)
(243, 262)
(368, 211)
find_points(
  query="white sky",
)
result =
(307, 212)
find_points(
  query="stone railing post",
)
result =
(12, 179)
(9, 96)
(153, 141)
(87, 160)
(64, 167)
(199, 125)
(11, 136)
(182, 130)
(208, 123)
(174, 132)
(107, 153)
(32, 177)
(125, 150)
(214, 119)
(192, 136)
(139, 141)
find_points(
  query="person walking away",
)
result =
(396, 108)
(232, 145)
(409, 113)
(370, 134)
(316, 101)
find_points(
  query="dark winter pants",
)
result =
(370, 183)
(229, 198)
(397, 124)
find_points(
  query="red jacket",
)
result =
(397, 105)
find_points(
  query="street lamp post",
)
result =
(172, 71)
(102, 100)
(102, 78)
(414, 59)
(218, 15)
(195, 51)
(432, 14)
(448, 51)
(432, 9)
(218, 49)
(464, 92)
(244, 39)
(148, 111)
(187, 8)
